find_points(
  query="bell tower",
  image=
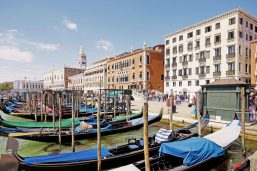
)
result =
(82, 61)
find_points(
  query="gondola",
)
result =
(195, 152)
(86, 160)
(106, 129)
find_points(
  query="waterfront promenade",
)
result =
(183, 115)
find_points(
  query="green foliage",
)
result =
(6, 86)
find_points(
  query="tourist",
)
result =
(193, 111)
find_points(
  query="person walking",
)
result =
(193, 111)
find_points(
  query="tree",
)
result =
(6, 86)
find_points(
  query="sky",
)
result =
(37, 36)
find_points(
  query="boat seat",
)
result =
(133, 147)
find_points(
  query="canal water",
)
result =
(32, 148)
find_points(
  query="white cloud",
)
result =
(70, 25)
(14, 54)
(44, 46)
(104, 44)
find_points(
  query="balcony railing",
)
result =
(197, 47)
(185, 63)
(230, 73)
(207, 44)
(216, 58)
(231, 39)
(217, 74)
(184, 76)
(167, 65)
(201, 75)
(167, 78)
(201, 60)
(174, 64)
(190, 49)
(231, 55)
(174, 77)
(217, 42)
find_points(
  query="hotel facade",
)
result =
(254, 62)
(138, 69)
(213, 49)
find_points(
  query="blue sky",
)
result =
(36, 36)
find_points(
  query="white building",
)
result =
(76, 82)
(212, 49)
(57, 79)
(96, 74)
(21, 87)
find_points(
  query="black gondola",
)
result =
(121, 155)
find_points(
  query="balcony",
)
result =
(202, 75)
(190, 49)
(231, 39)
(174, 77)
(217, 58)
(217, 74)
(231, 56)
(184, 76)
(197, 47)
(217, 42)
(167, 65)
(207, 44)
(202, 60)
(167, 78)
(174, 64)
(185, 63)
(230, 73)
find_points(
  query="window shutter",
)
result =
(197, 56)
(180, 59)
(207, 54)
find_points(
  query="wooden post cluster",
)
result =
(243, 119)
(171, 110)
(198, 112)
(146, 148)
(99, 133)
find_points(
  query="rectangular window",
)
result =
(174, 72)
(231, 66)
(180, 72)
(189, 35)
(246, 68)
(167, 84)
(255, 29)
(174, 50)
(174, 40)
(207, 69)
(240, 34)
(180, 83)
(189, 83)
(174, 84)
(197, 83)
(197, 43)
(207, 81)
(202, 55)
(217, 26)
(168, 51)
(207, 41)
(185, 58)
(231, 35)
(217, 67)
(190, 58)
(251, 26)
(196, 70)
(198, 32)
(250, 38)
(240, 50)
(241, 21)
(174, 60)
(207, 54)
(246, 24)
(184, 71)
(239, 67)
(232, 21)
(246, 52)
(218, 52)
(202, 69)
(180, 48)
(231, 49)
(181, 38)
(207, 29)
(246, 37)
(190, 46)
(189, 71)
(217, 38)
(167, 42)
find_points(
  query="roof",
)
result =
(221, 82)
(237, 10)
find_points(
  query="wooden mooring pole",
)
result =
(243, 119)
(72, 125)
(53, 109)
(99, 133)
(198, 113)
(60, 118)
(171, 106)
(146, 148)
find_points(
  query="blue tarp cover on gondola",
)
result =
(68, 157)
(192, 150)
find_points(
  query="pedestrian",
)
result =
(251, 110)
(193, 111)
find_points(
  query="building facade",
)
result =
(254, 62)
(139, 69)
(57, 79)
(22, 87)
(76, 82)
(212, 49)
(95, 77)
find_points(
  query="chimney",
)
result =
(131, 50)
